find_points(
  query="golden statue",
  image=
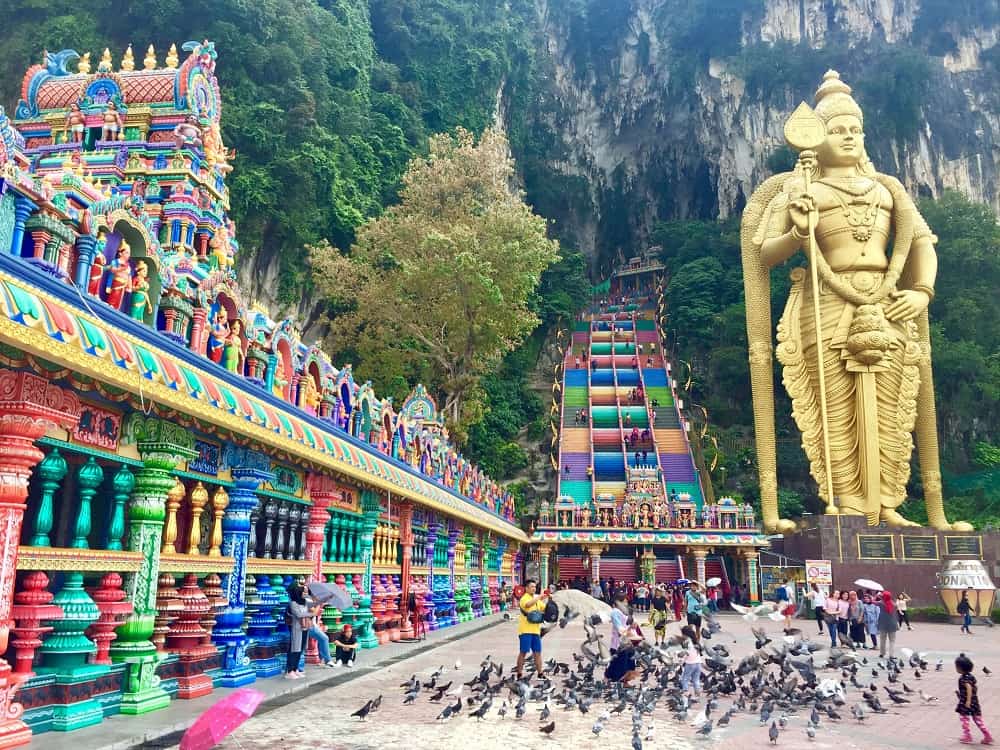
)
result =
(858, 411)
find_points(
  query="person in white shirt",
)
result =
(818, 599)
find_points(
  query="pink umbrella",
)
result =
(221, 720)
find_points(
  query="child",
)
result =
(692, 662)
(968, 702)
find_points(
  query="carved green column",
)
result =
(89, 478)
(124, 483)
(52, 469)
(366, 540)
(161, 446)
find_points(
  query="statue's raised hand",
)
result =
(799, 209)
(906, 305)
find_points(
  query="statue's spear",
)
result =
(805, 131)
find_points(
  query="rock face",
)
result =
(658, 128)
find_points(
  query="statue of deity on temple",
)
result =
(218, 334)
(97, 266)
(75, 124)
(140, 304)
(868, 327)
(232, 352)
(119, 277)
(111, 129)
(310, 395)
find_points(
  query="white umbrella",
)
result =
(869, 584)
(713, 581)
(579, 601)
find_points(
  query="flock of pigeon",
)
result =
(778, 686)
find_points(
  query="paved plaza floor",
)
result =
(317, 715)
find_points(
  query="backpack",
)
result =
(551, 613)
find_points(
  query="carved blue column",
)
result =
(249, 469)
(23, 208)
(453, 534)
(85, 245)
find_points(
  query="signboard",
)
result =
(920, 547)
(819, 572)
(98, 427)
(964, 545)
(876, 547)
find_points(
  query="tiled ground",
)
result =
(321, 720)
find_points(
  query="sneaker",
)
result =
(332, 663)
(291, 675)
(350, 665)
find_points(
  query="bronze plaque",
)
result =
(876, 547)
(964, 545)
(920, 547)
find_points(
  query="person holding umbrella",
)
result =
(298, 617)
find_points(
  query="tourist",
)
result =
(346, 645)
(736, 596)
(642, 596)
(713, 599)
(830, 616)
(596, 589)
(887, 625)
(784, 598)
(645, 457)
(818, 600)
(619, 620)
(695, 603)
(691, 673)
(871, 613)
(321, 638)
(583, 416)
(529, 627)
(623, 667)
(298, 617)
(843, 612)
(902, 598)
(965, 610)
(968, 702)
(856, 618)
(658, 616)
(577, 362)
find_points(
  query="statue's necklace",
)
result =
(861, 212)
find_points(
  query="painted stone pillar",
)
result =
(595, 551)
(406, 545)
(322, 490)
(369, 520)
(86, 244)
(23, 208)
(543, 565)
(162, 446)
(753, 579)
(429, 548)
(29, 406)
(699, 555)
(453, 533)
(249, 469)
(198, 317)
(647, 564)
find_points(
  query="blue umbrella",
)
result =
(681, 581)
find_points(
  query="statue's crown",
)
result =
(833, 98)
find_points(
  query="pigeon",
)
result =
(410, 697)
(597, 728)
(810, 731)
(449, 711)
(546, 712)
(377, 702)
(362, 712)
(772, 733)
(858, 712)
(927, 698)
(503, 710)
(636, 741)
(548, 728)
(986, 670)
(480, 712)
(706, 729)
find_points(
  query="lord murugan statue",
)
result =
(868, 326)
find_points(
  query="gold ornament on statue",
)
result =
(83, 66)
(128, 60)
(172, 58)
(149, 61)
(856, 356)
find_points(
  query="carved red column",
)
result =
(406, 542)
(198, 318)
(322, 490)
(29, 406)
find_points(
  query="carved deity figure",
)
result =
(218, 333)
(98, 265)
(232, 352)
(140, 303)
(869, 322)
(112, 123)
(75, 122)
(119, 277)
(310, 395)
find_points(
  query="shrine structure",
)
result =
(631, 503)
(171, 458)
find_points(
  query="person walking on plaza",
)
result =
(298, 617)
(785, 599)
(695, 602)
(317, 634)
(691, 672)
(658, 615)
(346, 644)
(887, 625)
(965, 609)
(818, 600)
(902, 599)
(529, 626)
(871, 612)
(968, 702)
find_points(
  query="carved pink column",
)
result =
(198, 318)
(29, 406)
(322, 490)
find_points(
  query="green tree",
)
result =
(447, 275)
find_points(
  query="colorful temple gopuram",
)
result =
(171, 459)
(631, 503)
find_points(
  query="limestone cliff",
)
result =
(679, 115)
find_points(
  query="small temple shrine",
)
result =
(171, 457)
(632, 503)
